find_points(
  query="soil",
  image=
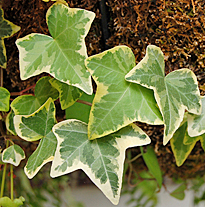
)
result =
(177, 27)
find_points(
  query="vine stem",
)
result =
(12, 181)
(84, 102)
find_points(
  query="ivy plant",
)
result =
(102, 125)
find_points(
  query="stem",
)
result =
(84, 102)
(12, 181)
(135, 158)
(3, 180)
(23, 91)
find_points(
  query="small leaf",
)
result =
(80, 111)
(34, 127)
(151, 161)
(27, 104)
(7, 202)
(13, 155)
(174, 93)
(101, 159)
(179, 192)
(10, 122)
(63, 54)
(7, 29)
(68, 94)
(118, 103)
(4, 99)
(180, 150)
(196, 123)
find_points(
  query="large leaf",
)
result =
(63, 54)
(7, 29)
(13, 155)
(151, 161)
(27, 104)
(34, 127)
(80, 111)
(68, 95)
(174, 93)
(118, 103)
(196, 123)
(4, 99)
(101, 159)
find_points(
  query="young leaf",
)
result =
(174, 93)
(4, 99)
(63, 54)
(13, 155)
(27, 104)
(181, 151)
(101, 159)
(10, 122)
(151, 161)
(118, 103)
(80, 111)
(68, 94)
(34, 127)
(179, 192)
(7, 29)
(196, 123)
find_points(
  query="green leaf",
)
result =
(179, 192)
(101, 159)
(181, 151)
(196, 123)
(151, 161)
(7, 29)
(174, 93)
(118, 103)
(7, 202)
(10, 122)
(27, 104)
(63, 54)
(34, 127)
(4, 99)
(13, 155)
(80, 111)
(68, 94)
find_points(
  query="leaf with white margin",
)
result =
(10, 122)
(118, 103)
(63, 54)
(13, 155)
(68, 95)
(196, 123)
(34, 127)
(174, 93)
(27, 104)
(7, 29)
(101, 159)
(4, 99)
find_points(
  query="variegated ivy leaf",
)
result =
(7, 29)
(27, 104)
(4, 99)
(101, 159)
(68, 94)
(174, 93)
(63, 54)
(13, 155)
(118, 103)
(10, 122)
(34, 127)
(196, 123)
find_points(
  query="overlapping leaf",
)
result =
(10, 122)
(196, 123)
(174, 93)
(68, 94)
(7, 29)
(13, 155)
(118, 103)
(27, 104)
(4, 99)
(63, 54)
(34, 127)
(101, 159)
